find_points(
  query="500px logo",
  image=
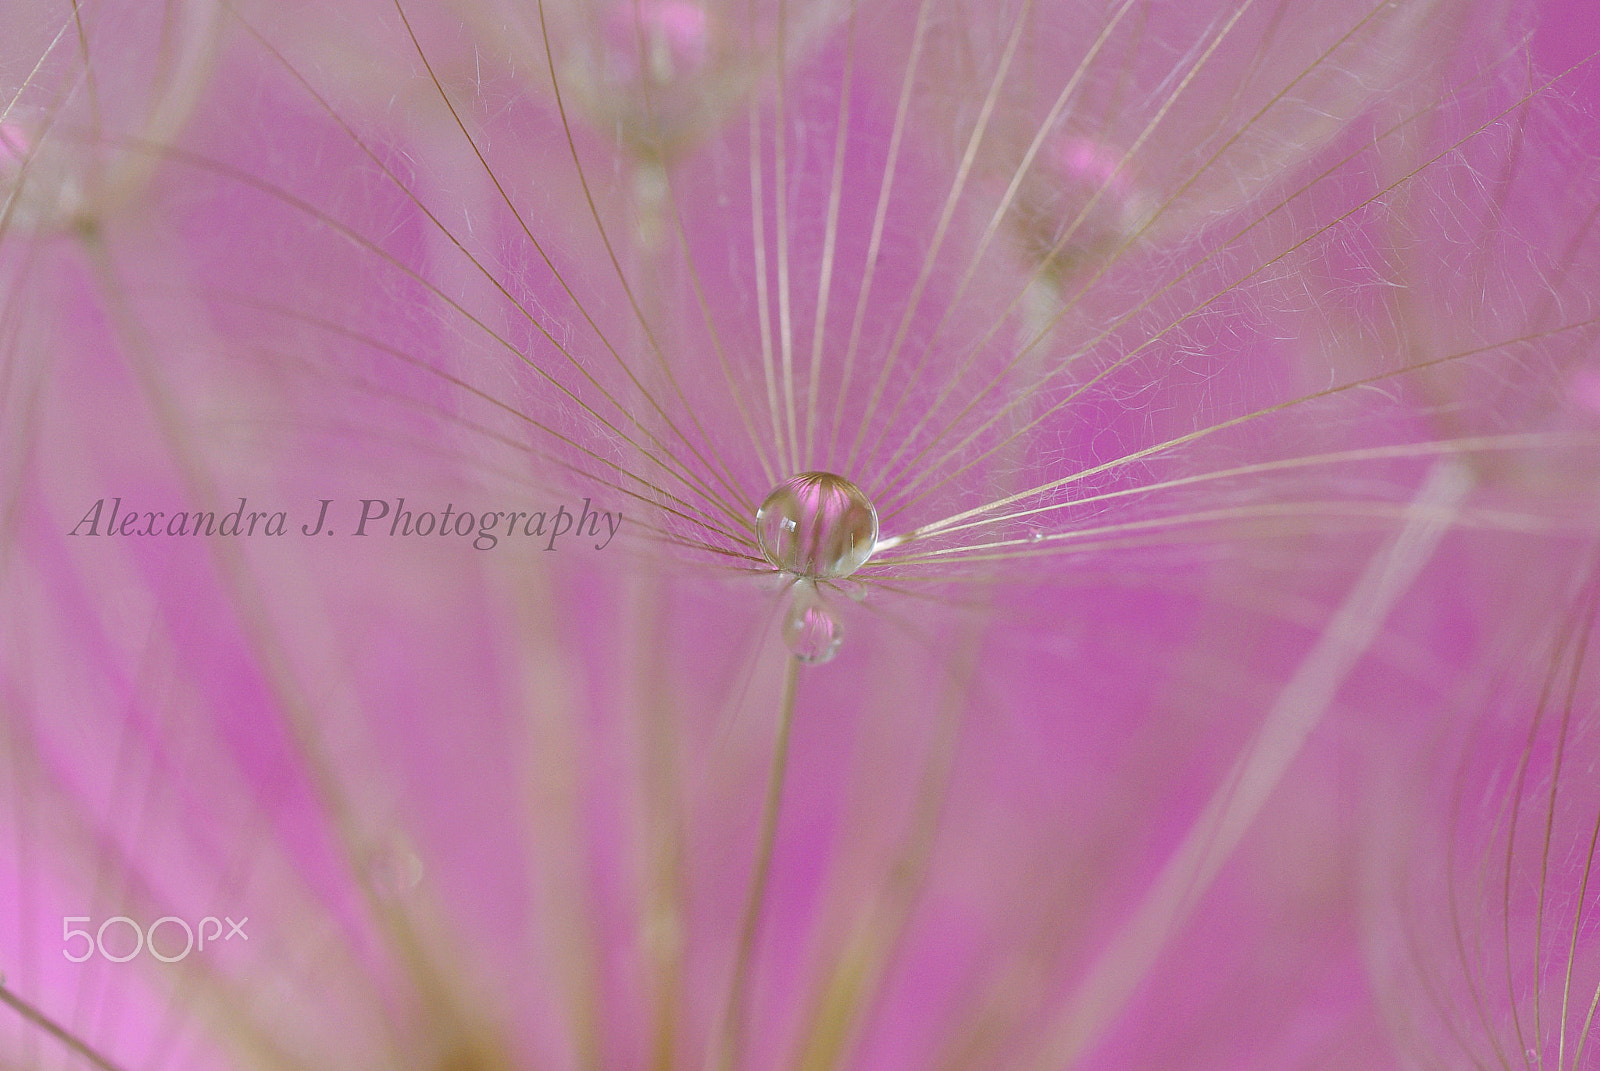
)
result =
(146, 939)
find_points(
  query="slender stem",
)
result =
(54, 1029)
(733, 1020)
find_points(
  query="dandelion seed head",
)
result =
(1080, 792)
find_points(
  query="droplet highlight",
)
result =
(817, 526)
(810, 630)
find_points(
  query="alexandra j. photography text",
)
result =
(482, 530)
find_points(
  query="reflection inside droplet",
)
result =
(810, 630)
(817, 525)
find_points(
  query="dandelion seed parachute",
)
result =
(1187, 510)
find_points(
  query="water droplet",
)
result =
(810, 630)
(818, 526)
(393, 868)
(1036, 534)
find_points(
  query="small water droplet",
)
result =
(1036, 534)
(394, 869)
(818, 526)
(810, 630)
